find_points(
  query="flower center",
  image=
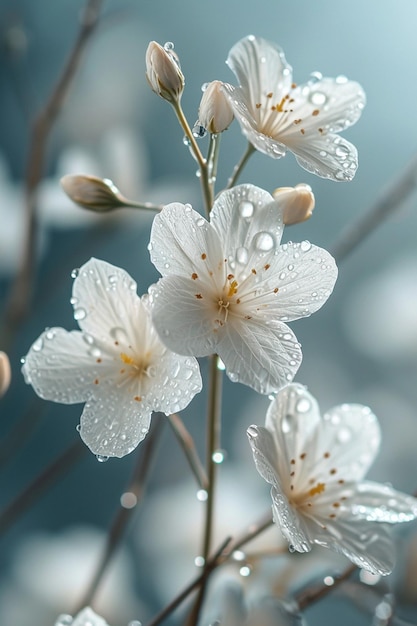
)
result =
(137, 373)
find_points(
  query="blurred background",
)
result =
(361, 347)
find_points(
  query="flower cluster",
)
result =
(229, 286)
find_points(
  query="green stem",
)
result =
(239, 167)
(213, 159)
(202, 164)
(188, 445)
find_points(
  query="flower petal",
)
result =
(376, 502)
(264, 357)
(369, 546)
(328, 156)
(260, 67)
(104, 297)
(265, 457)
(179, 381)
(87, 617)
(183, 243)
(61, 364)
(239, 214)
(113, 423)
(182, 318)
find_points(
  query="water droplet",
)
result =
(73, 301)
(113, 278)
(252, 432)
(199, 131)
(118, 334)
(328, 581)
(220, 365)
(233, 377)
(344, 435)
(23, 360)
(341, 79)
(305, 246)
(246, 209)
(150, 371)
(245, 570)
(88, 339)
(291, 548)
(75, 272)
(186, 141)
(303, 405)
(342, 152)
(201, 221)
(218, 456)
(168, 46)
(80, 314)
(199, 561)
(290, 267)
(128, 500)
(242, 255)
(287, 423)
(101, 458)
(239, 555)
(135, 622)
(38, 345)
(202, 495)
(204, 86)
(318, 98)
(316, 76)
(78, 428)
(264, 241)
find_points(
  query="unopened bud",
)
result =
(298, 203)
(163, 71)
(5, 373)
(215, 112)
(96, 194)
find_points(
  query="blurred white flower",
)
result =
(5, 373)
(276, 114)
(116, 364)
(228, 285)
(86, 617)
(51, 572)
(316, 467)
(378, 324)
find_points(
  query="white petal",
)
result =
(264, 357)
(240, 214)
(260, 67)
(183, 243)
(265, 455)
(183, 321)
(328, 156)
(305, 276)
(104, 298)
(367, 545)
(178, 381)
(113, 423)
(87, 617)
(61, 366)
(381, 503)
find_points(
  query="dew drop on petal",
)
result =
(291, 548)
(316, 76)
(78, 428)
(305, 246)
(341, 79)
(168, 45)
(344, 435)
(204, 86)
(135, 622)
(246, 209)
(80, 314)
(303, 405)
(118, 334)
(242, 255)
(101, 458)
(287, 423)
(233, 377)
(264, 242)
(75, 272)
(318, 98)
(38, 345)
(113, 278)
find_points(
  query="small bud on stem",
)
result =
(163, 72)
(299, 203)
(215, 112)
(5, 373)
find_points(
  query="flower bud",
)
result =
(96, 194)
(5, 373)
(215, 112)
(163, 71)
(299, 203)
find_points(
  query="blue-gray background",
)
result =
(362, 347)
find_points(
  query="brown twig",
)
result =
(188, 445)
(123, 515)
(309, 596)
(390, 200)
(19, 298)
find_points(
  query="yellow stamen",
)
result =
(319, 488)
(127, 359)
(232, 288)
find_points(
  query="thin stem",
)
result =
(210, 565)
(202, 163)
(239, 167)
(390, 200)
(308, 597)
(213, 159)
(136, 487)
(17, 306)
(188, 445)
(40, 484)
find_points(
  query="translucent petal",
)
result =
(184, 243)
(305, 276)
(240, 213)
(178, 381)
(265, 456)
(61, 366)
(104, 298)
(328, 156)
(113, 423)
(367, 545)
(260, 68)
(381, 503)
(183, 320)
(264, 357)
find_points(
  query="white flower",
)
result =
(116, 364)
(275, 114)
(86, 617)
(316, 467)
(163, 71)
(228, 287)
(215, 113)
